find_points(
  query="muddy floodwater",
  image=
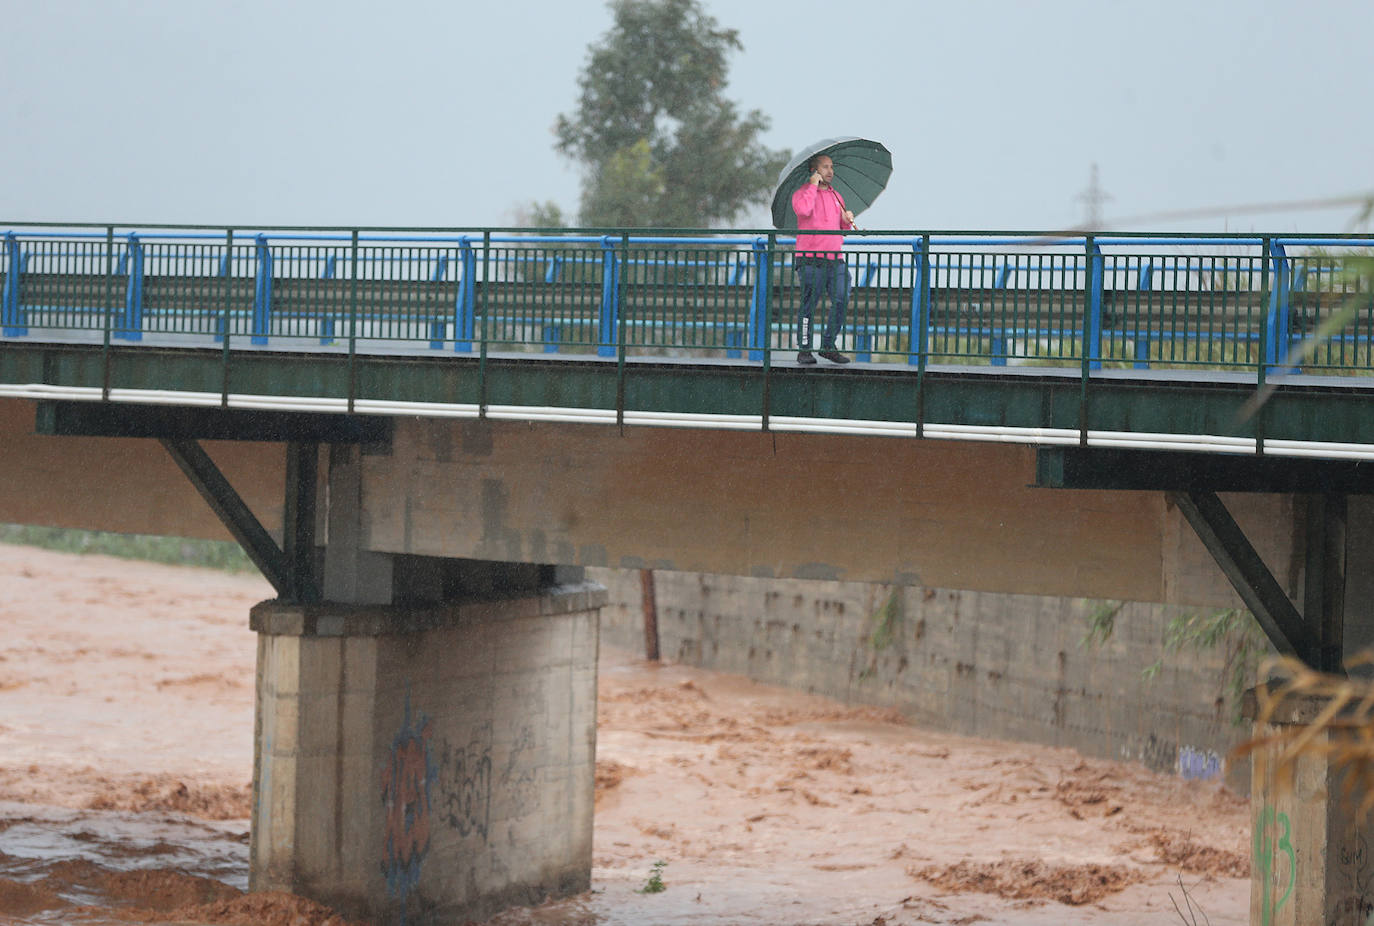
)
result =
(126, 724)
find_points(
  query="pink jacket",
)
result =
(819, 207)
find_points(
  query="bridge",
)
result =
(1157, 418)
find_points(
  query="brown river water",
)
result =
(126, 721)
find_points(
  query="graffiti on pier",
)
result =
(406, 821)
(1354, 903)
(1276, 860)
(519, 778)
(465, 784)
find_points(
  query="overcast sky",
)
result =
(440, 112)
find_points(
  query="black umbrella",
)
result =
(861, 171)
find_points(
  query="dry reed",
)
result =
(1340, 730)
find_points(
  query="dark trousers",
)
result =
(821, 277)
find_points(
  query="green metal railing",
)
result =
(1228, 302)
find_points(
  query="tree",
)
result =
(660, 144)
(547, 214)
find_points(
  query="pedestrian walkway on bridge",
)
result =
(1077, 316)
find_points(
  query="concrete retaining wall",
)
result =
(982, 664)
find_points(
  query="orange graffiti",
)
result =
(405, 799)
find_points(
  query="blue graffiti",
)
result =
(1198, 764)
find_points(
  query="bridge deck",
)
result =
(1232, 344)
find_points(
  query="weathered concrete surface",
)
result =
(426, 765)
(940, 514)
(1311, 861)
(983, 664)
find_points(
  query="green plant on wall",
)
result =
(883, 628)
(885, 621)
(1101, 623)
(1232, 631)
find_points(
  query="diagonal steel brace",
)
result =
(1249, 575)
(280, 568)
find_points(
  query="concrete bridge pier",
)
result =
(424, 752)
(1310, 852)
(1310, 860)
(432, 763)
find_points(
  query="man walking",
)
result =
(818, 259)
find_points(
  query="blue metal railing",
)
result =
(1141, 301)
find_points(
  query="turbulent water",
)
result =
(128, 687)
(54, 862)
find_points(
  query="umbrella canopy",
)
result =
(861, 171)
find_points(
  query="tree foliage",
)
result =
(660, 144)
(547, 214)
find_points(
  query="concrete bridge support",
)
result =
(425, 738)
(426, 763)
(1311, 855)
(1310, 860)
